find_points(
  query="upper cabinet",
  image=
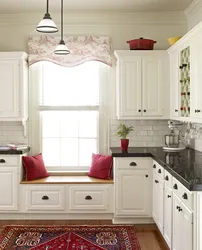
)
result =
(14, 86)
(186, 77)
(142, 84)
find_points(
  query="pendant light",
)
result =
(61, 49)
(47, 25)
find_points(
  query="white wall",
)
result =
(120, 27)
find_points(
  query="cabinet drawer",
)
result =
(168, 179)
(158, 169)
(6, 160)
(132, 162)
(183, 193)
(45, 198)
(90, 198)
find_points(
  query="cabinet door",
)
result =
(167, 215)
(9, 189)
(182, 226)
(9, 85)
(129, 87)
(152, 86)
(133, 197)
(157, 211)
(195, 77)
(174, 85)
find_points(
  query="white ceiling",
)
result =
(24, 6)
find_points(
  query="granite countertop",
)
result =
(184, 165)
(14, 151)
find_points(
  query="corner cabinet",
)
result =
(133, 182)
(14, 86)
(142, 84)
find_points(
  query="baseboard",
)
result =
(56, 216)
(133, 221)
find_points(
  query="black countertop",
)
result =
(14, 151)
(184, 165)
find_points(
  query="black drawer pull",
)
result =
(166, 178)
(45, 197)
(139, 110)
(176, 110)
(145, 110)
(184, 196)
(156, 181)
(175, 186)
(88, 197)
(154, 166)
(159, 171)
(146, 175)
(2, 161)
(133, 164)
(169, 196)
(178, 207)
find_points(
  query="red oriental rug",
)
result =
(69, 237)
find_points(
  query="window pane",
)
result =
(69, 137)
(75, 86)
(86, 148)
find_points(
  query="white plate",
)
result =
(173, 149)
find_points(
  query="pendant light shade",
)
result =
(47, 25)
(61, 49)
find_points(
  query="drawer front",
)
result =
(132, 162)
(6, 160)
(168, 179)
(183, 193)
(45, 198)
(90, 198)
(158, 169)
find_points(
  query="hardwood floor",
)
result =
(148, 235)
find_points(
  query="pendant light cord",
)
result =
(61, 19)
(47, 6)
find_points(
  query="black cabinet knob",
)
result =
(133, 164)
(154, 166)
(88, 197)
(146, 175)
(45, 197)
(139, 110)
(156, 181)
(176, 110)
(184, 196)
(144, 110)
(166, 178)
(159, 171)
(175, 186)
(169, 196)
(178, 207)
(2, 161)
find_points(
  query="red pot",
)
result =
(124, 145)
(141, 44)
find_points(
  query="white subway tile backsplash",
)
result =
(146, 133)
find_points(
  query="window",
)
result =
(68, 107)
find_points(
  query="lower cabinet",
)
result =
(182, 226)
(158, 196)
(132, 193)
(8, 188)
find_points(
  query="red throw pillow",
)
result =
(34, 167)
(101, 166)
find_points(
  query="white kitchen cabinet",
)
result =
(182, 226)
(8, 188)
(133, 187)
(158, 198)
(142, 84)
(14, 86)
(167, 215)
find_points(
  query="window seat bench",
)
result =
(68, 179)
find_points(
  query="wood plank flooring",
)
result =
(148, 235)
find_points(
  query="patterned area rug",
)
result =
(69, 238)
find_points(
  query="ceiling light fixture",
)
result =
(61, 49)
(47, 25)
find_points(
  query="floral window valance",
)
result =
(82, 49)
